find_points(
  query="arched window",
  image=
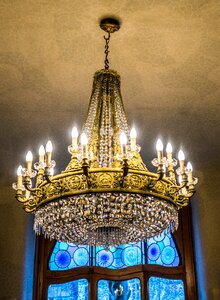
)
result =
(158, 268)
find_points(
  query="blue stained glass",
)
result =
(66, 256)
(73, 290)
(62, 259)
(161, 250)
(120, 256)
(104, 258)
(165, 289)
(119, 290)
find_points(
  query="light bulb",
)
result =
(29, 156)
(181, 155)
(49, 147)
(75, 133)
(133, 133)
(189, 167)
(41, 150)
(159, 145)
(19, 171)
(84, 139)
(169, 148)
(123, 138)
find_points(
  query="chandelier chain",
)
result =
(107, 40)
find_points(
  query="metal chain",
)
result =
(107, 40)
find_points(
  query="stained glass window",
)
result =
(161, 250)
(119, 257)
(165, 289)
(66, 256)
(117, 290)
(73, 290)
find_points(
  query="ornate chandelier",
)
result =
(106, 195)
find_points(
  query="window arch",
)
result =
(159, 268)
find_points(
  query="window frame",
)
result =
(43, 277)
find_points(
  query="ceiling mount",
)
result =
(110, 25)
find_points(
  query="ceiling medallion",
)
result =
(106, 195)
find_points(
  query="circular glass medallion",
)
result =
(168, 255)
(131, 256)
(104, 258)
(81, 257)
(153, 252)
(62, 259)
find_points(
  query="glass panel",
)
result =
(119, 290)
(161, 250)
(66, 256)
(120, 256)
(165, 289)
(74, 290)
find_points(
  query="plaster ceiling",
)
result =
(167, 55)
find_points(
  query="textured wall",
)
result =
(167, 53)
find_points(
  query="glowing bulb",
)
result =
(189, 167)
(49, 147)
(181, 155)
(123, 138)
(29, 156)
(41, 151)
(159, 145)
(75, 133)
(19, 171)
(133, 133)
(84, 139)
(169, 148)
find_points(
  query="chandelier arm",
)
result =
(27, 185)
(20, 198)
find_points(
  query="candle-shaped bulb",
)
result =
(133, 133)
(159, 145)
(84, 139)
(123, 138)
(189, 167)
(29, 157)
(49, 147)
(19, 171)
(190, 175)
(41, 153)
(41, 150)
(19, 179)
(181, 155)
(169, 148)
(84, 142)
(181, 158)
(75, 133)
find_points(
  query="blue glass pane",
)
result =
(161, 250)
(74, 290)
(66, 256)
(119, 290)
(120, 256)
(165, 289)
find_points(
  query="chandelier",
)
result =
(106, 195)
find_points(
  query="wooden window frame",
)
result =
(43, 277)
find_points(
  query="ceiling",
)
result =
(167, 53)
